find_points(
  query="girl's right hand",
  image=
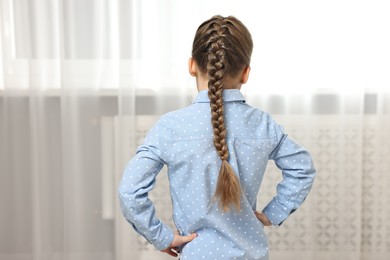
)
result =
(263, 218)
(178, 240)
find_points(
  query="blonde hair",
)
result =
(222, 47)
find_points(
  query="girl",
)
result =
(216, 151)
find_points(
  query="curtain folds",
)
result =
(82, 81)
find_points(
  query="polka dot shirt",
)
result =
(183, 140)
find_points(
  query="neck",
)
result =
(202, 84)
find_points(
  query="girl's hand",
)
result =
(178, 241)
(263, 218)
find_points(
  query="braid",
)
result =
(228, 189)
(216, 70)
(222, 47)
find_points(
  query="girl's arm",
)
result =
(138, 179)
(298, 175)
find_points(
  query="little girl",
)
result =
(216, 151)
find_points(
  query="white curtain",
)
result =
(81, 81)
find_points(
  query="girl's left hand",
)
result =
(263, 218)
(178, 241)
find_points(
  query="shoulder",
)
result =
(261, 115)
(174, 115)
(173, 118)
(273, 126)
(265, 122)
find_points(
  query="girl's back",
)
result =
(193, 173)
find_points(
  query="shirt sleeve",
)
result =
(298, 173)
(138, 179)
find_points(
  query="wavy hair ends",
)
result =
(228, 190)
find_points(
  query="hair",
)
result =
(222, 47)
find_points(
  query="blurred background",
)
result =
(81, 82)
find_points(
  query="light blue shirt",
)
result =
(183, 140)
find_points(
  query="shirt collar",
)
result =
(228, 95)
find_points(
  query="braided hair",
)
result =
(222, 47)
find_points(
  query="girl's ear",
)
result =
(245, 75)
(192, 67)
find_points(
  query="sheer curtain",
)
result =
(81, 81)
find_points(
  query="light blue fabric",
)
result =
(183, 140)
